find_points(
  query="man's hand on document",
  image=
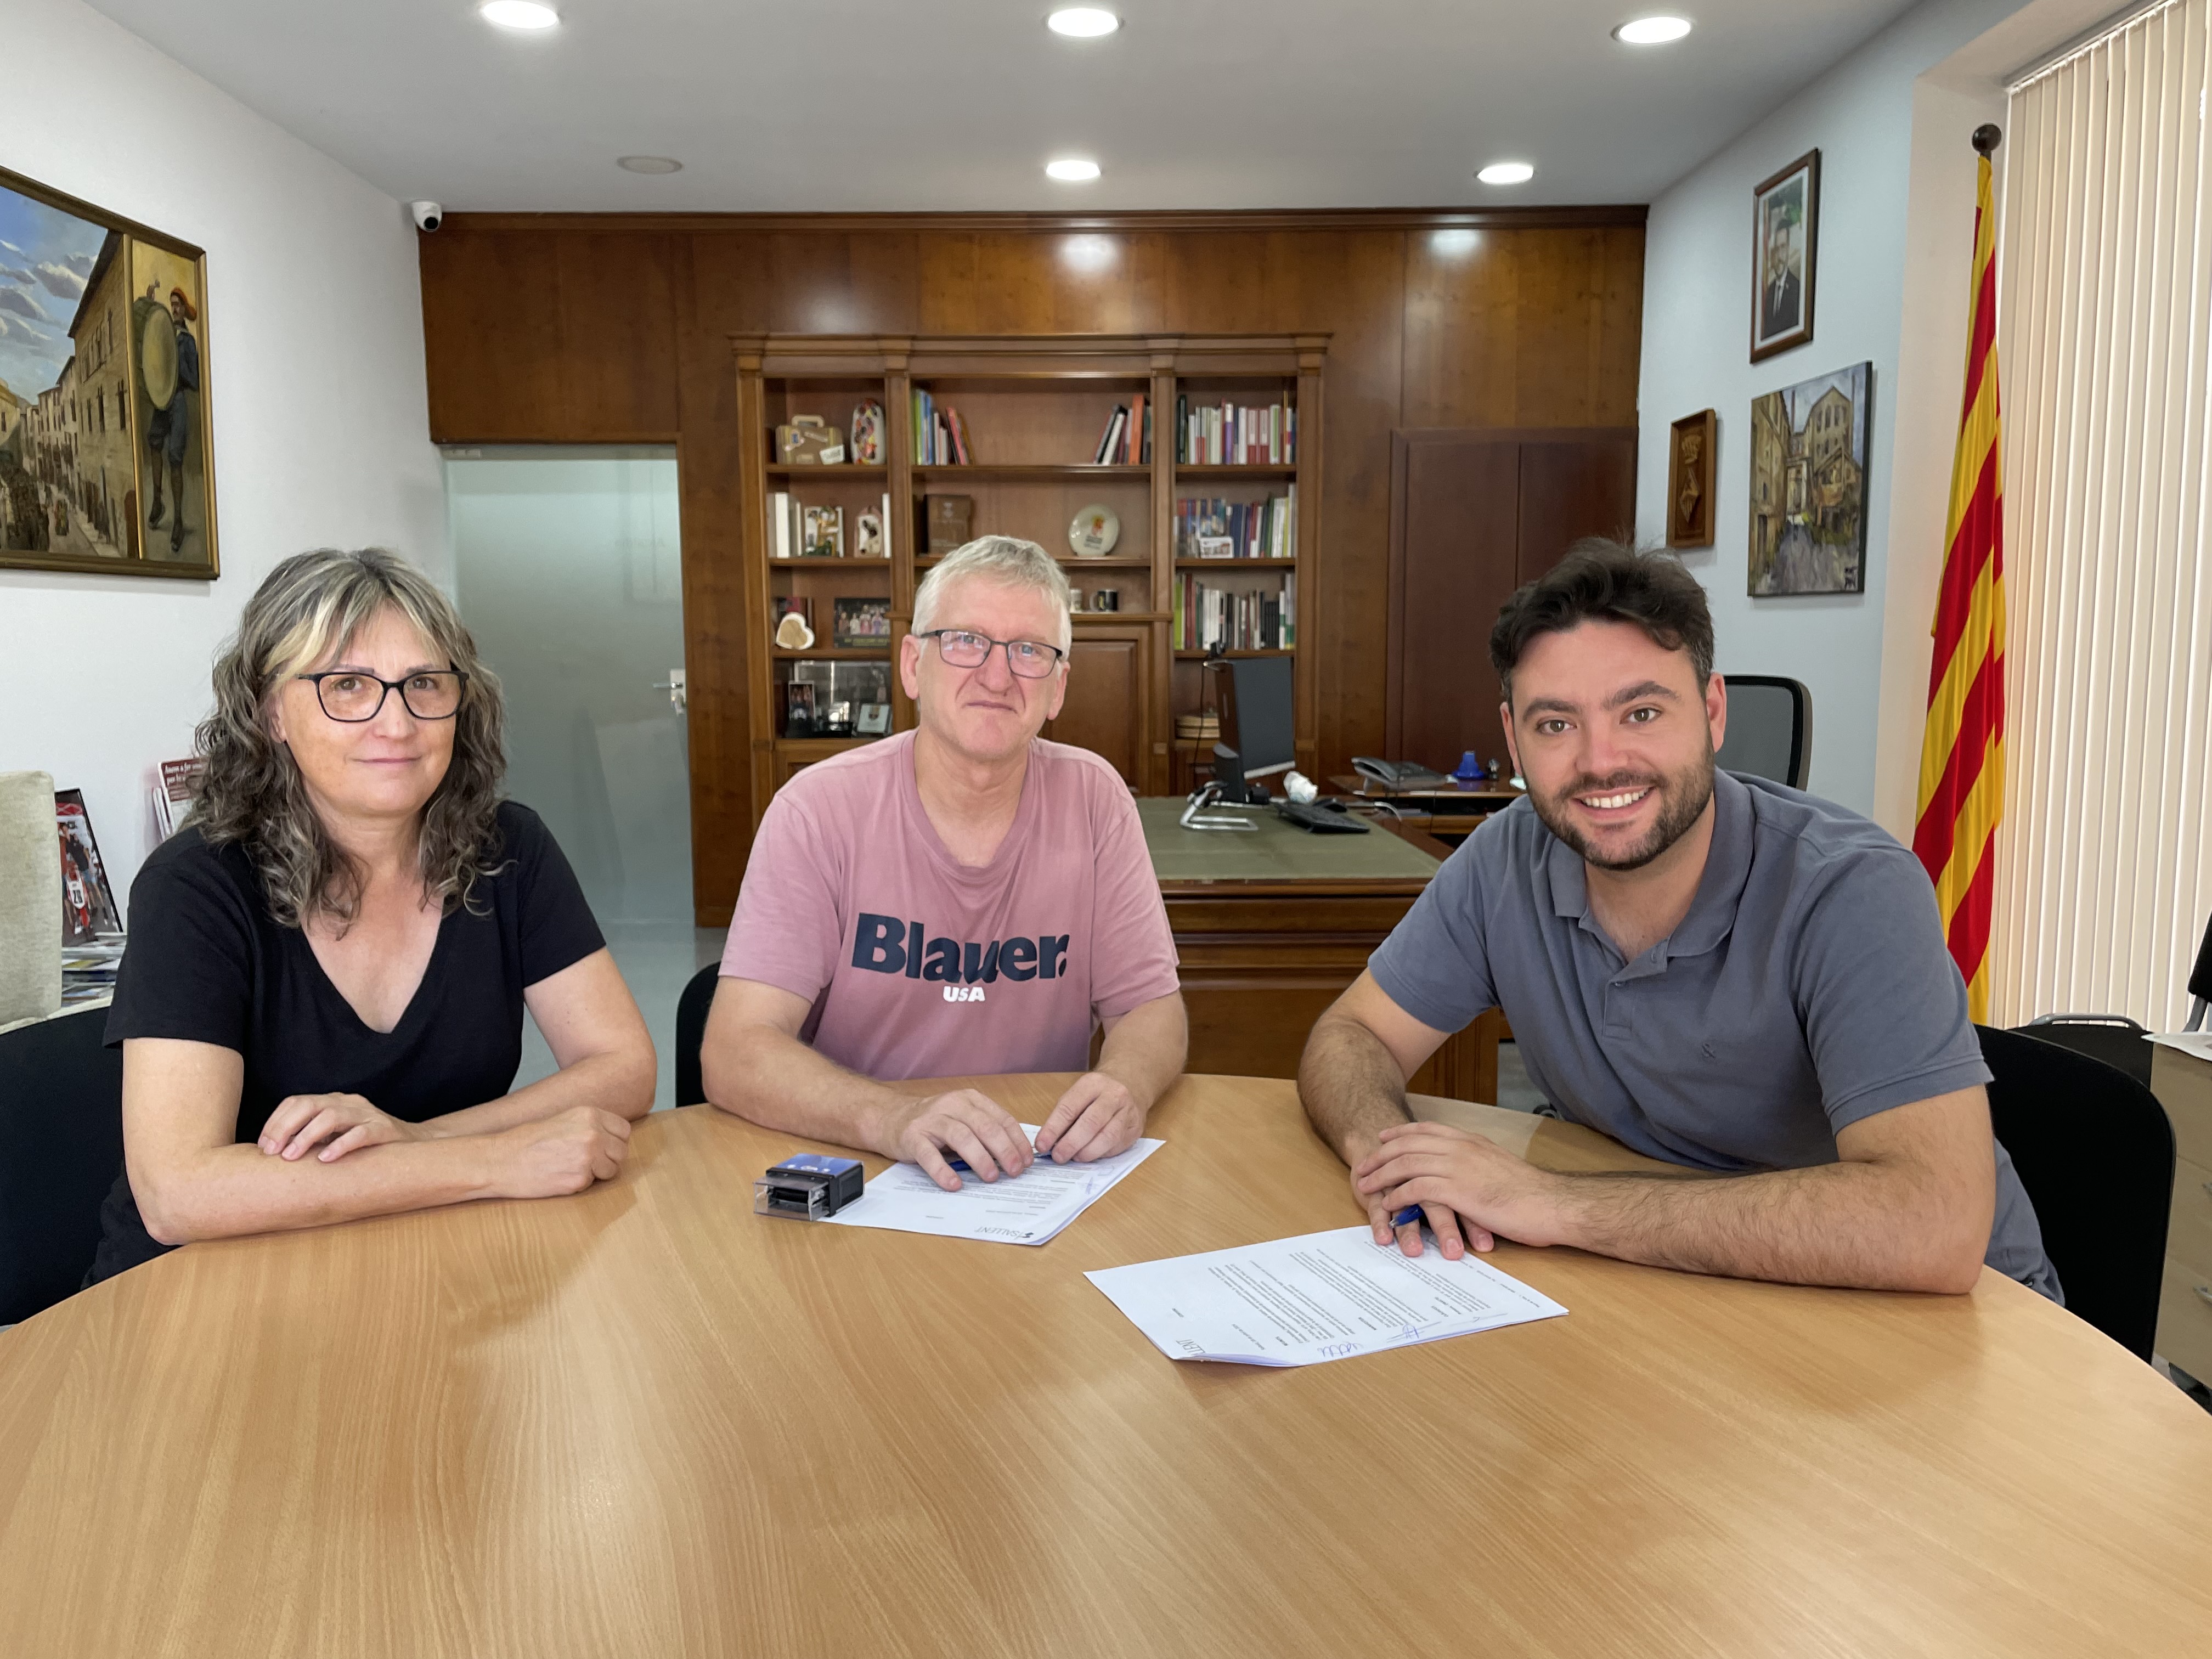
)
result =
(1461, 1180)
(964, 1123)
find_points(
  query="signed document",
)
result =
(1025, 1209)
(1324, 1296)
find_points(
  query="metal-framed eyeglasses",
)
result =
(349, 694)
(960, 648)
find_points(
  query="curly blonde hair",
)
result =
(251, 792)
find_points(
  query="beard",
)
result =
(1683, 795)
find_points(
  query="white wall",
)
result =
(1897, 192)
(315, 371)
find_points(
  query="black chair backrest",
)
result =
(2095, 1152)
(2200, 976)
(61, 1148)
(2113, 1038)
(691, 1031)
(1770, 729)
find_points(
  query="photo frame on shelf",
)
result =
(107, 466)
(791, 621)
(823, 533)
(1690, 480)
(862, 625)
(1785, 246)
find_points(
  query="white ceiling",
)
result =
(936, 105)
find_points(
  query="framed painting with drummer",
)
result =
(107, 458)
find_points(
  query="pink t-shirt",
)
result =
(919, 966)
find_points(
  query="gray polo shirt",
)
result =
(1808, 987)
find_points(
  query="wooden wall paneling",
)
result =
(1453, 558)
(746, 355)
(1577, 484)
(718, 642)
(1027, 283)
(618, 337)
(491, 336)
(846, 282)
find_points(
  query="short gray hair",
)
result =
(1007, 560)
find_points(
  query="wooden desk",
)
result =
(1271, 925)
(643, 1421)
(1448, 810)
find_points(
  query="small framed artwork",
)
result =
(1690, 480)
(823, 532)
(1809, 485)
(88, 901)
(1786, 237)
(862, 625)
(105, 464)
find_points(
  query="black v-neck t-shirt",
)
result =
(208, 963)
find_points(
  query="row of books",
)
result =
(1127, 439)
(1228, 434)
(1236, 619)
(940, 436)
(796, 530)
(1217, 528)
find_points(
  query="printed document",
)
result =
(1025, 1209)
(1324, 1296)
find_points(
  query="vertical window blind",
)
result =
(2105, 856)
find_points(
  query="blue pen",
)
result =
(1412, 1212)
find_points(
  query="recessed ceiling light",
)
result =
(1085, 22)
(1652, 31)
(518, 14)
(1507, 173)
(1071, 171)
(649, 164)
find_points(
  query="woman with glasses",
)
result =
(963, 899)
(320, 1006)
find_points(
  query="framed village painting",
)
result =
(1809, 485)
(105, 463)
(1785, 246)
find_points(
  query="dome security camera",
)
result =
(427, 216)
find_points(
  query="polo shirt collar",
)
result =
(1712, 911)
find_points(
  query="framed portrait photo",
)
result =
(105, 464)
(1785, 235)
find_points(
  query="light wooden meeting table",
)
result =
(645, 1421)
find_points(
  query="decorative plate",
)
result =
(1094, 532)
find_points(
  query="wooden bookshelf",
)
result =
(1033, 407)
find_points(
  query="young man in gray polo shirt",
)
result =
(1716, 971)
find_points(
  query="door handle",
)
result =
(679, 696)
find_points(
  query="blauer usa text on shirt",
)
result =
(885, 944)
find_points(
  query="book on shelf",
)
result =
(940, 435)
(1232, 435)
(1210, 528)
(1235, 618)
(1127, 439)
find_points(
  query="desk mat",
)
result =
(1278, 852)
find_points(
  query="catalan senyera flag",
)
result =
(1962, 750)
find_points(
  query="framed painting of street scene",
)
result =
(105, 463)
(1809, 485)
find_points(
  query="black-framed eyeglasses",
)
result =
(960, 648)
(349, 694)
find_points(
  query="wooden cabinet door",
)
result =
(1475, 513)
(1110, 697)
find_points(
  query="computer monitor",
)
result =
(1255, 714)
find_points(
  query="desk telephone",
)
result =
(1396, 774)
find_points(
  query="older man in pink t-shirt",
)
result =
(961, 899)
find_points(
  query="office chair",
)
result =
(2095, 1152)
(691, 1031)
(1770, 729)
(2116, 1039)
(61, 1147)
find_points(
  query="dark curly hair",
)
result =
(251, 793)
(1602, 580)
